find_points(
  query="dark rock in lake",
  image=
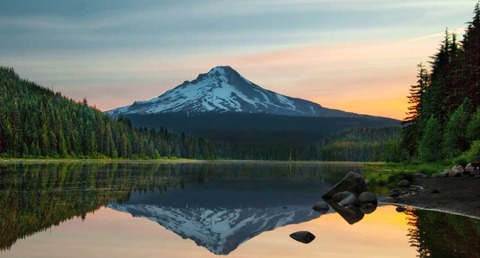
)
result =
(367, 197)
(400, 209)
(341, 195)
(303, 236)
(351, 215)
(403, 183)
(350, 200)
(321, 207)
(352, 182)
(368, 207)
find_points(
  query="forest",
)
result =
(443, 119)
(36, 122)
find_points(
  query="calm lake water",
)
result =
(206, 210)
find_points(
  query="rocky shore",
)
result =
(455, 190)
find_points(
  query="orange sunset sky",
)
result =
(354, 55)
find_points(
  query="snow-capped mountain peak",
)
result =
(223, 90)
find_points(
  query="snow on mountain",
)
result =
(220, 230)
(223, 90)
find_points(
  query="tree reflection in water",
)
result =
(34, 197)
(437, 234)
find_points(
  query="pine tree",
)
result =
(471, 46)
(455, 139)
(431, 144)
(473, 128)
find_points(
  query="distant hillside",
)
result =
(222, 105)
(259, 128)
(36, 122)
(224, 90)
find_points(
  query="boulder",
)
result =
(415, 188)
(368, 207)
(303, 236)
(341, 195)
(321, 207)
(419, 175)
(352, 182)
(367, 197)
(350, 200)
(469, 169)
(396, 192)
(441, 174)
(403, 183)
(350, 214)
(454, 173)
(458, 168)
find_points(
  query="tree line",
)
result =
(443, 119)
(37, 122)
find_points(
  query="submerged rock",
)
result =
(303, 236)
(352, 182)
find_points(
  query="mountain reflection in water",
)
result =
(218, 206)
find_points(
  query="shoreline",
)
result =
(171, 161)
(457, 195)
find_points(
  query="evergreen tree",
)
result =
(430, 148)
(473, 128)
(455, 139)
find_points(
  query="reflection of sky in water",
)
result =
(108, 233)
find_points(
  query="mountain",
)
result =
(221, 214)
(222, 105)
(224, 90)
(220, 230)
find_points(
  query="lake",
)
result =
(206, 210)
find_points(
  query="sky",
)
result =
(354, 55)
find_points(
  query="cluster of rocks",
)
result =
(404, 187)
(350, 198)
(470, 170)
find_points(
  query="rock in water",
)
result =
(350, 200)
(341, 195)
(367, 197)
(368, 207)
(352, 182)
(321, 207)
(303, 236)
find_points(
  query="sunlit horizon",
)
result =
(357, 56)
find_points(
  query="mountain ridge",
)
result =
(224, 90)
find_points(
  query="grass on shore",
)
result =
(389, 174)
